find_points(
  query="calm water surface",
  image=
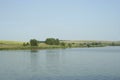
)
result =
(61, 64)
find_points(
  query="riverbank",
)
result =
(16, 45)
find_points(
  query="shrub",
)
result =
(33, 42)
(52, 41)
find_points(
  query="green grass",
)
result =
(11, 42)
(17, 45)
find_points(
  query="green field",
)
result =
(17, 45)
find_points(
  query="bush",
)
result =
(69, 45)
(26, 44)
(33, 42)
(52, 41)
(62, 44)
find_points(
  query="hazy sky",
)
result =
(64, 19)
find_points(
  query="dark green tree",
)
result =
(57, 42)
(33, 42)
(27, 43)
(88, 45)
(69, 45)
(52, 41)
(24, 44)
(62, 44)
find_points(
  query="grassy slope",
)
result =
(6, 45)
(91, 43)
(10, 44)
(19, 45)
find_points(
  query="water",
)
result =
(61, 64)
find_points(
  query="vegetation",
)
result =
(63, 44)
(33, 42)
(26, 44)
(69, 45)
(51, 43)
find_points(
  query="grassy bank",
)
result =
(16, 45)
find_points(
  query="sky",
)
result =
(23, 20)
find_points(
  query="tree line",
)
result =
(49, 41)
(56, 41)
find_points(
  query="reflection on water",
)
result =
(34, 51)
(60, 64)
(34, 60)
(50, 64)
(53, 61)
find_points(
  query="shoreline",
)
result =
(16, 45)
(42, 48)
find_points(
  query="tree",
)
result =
(33, 42)
(57, 42)
(62, 44)
(69, 45)
(24, 44)
(27, 43)
(52, 41)
(113, 44)
(88, 45)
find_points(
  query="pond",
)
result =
(61, 64)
